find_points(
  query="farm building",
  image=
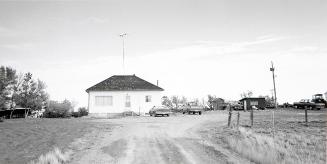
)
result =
(218, 104)
(122, 93)
(258, 102)
(16, 112)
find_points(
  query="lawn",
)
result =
(293, 141)
(24, 140)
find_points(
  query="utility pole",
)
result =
(122, 36)
(272, 69)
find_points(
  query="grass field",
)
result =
(293, 141)
(24, 140)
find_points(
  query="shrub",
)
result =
(58, 109)
(82, 111)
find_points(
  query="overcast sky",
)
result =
(193, 47)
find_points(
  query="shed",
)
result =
(218, 104)
(258, 102)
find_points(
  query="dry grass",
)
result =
(56, 156)
(293, 142)
(24, 140)
(282, 148)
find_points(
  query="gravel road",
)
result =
(157, 140)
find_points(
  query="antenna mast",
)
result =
(122, 36)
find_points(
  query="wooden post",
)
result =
(238, 119)
(251, 116)
(229, 117)
(306, 115)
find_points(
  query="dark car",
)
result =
(160, 111)
(304, 103)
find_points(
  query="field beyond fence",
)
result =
(288, 140)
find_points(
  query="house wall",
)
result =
(137, 99)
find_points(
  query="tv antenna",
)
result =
(123, 35)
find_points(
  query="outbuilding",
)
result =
(218, 104)
(122, 93)
(257, 102)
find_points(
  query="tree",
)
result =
(247, 94)
(31, 94)
(7, 82)
(175, 101)
(166, 101)
(183, 100)
(211, 99)
(269, 101)
(58, 109)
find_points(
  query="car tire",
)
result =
(200, 113)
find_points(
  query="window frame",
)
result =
(101, 101)
(148, 98)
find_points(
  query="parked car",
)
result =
(193, 109)
(160, 111)
(304, 103)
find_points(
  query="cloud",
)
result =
(93, 20)
(18, 46)
(203, 49)
(7, 32)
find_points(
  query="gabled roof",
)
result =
(124, 83)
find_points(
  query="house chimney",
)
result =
(157, 82)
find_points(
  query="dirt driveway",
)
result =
(157, 140)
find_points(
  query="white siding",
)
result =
(137, 101)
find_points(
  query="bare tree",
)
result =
(166, 101)
(175, 100)
(247, 94)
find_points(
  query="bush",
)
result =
(81, 112)
(58, 109)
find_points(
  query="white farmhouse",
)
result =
(122, 93)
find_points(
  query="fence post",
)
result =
(229, 117)
(251, 117)
(306, 115)
(238, 119)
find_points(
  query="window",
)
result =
(103, 100)
(253, 103)
(147, 98)
(128, 101)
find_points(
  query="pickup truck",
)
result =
(305, 103)
(193, 109)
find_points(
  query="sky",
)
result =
(193, 47)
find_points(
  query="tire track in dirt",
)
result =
(159, 141)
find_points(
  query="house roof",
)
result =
(124, 83)
(252, 98)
